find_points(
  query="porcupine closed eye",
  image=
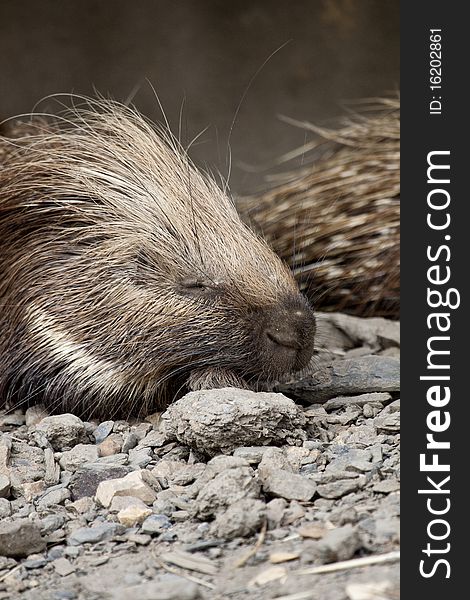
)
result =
(127, 275)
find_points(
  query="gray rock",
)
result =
(132, 579)
(110, 446)
(4, 486)
(80, 454)
(114, 460)
(274, 459)
(51, 523)
(102, 431)
(5, 508)
(172, 496)
(388, 424)
(352, 449)
(338, 544)
(179, 516)
(337, 489)
(386, 486)
(375, 333)
(347, 377)
(189, 474)
(294, 512)
(168, 536)
(155, 524)
(241, 519)
(225, 489)
(350, 415)
(55, 552)
(139, 484)
(214, 467)
(285, 484)
(139, 458)
(63, 567)
(86, 479)
(296, 457)
(360, 400)
(61, 431)
(93, 535)
(312, 445)
(220, 420)
(26, 465)
(351, 459)
(83, 505)
(130, 441)
(166, 470)
(141, 539)
(371, 410)
(376, 453)
(252, 454)
(141, 430)
(381, 528)
(309, 470)
(153, 439)
(53, 497)
(133, 515)
(34, 561)
(168, 587)
(20, 538)
(221, 463)
(393, 407)
(120, 502)
(333, 475)
(163, 506)
(5, 452)
(20, 509)
(72, 551)
(358, 435)
(341, 516)
(52, 474)
(65, 595)
(387, 530)
(275, 511)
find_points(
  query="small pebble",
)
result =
(155, 524)
(5, 508)
(102, 431)
(63, 567)
(110, 446)
(133, 515)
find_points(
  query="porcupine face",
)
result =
(129, 273)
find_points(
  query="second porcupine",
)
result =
(127, 276)
(336, 221)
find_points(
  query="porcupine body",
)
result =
(127, 276)
(336, 221)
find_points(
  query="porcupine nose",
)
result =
(283, 336)
(289, 333)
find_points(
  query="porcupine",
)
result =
(336, 221)
(127, 276)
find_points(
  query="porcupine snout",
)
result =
(287, 335)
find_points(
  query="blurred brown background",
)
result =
(206, 52)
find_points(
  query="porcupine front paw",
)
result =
(206, 379)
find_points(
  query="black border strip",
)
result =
(423, 412)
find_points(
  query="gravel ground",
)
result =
(291, 493)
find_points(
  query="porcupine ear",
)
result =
(17, 128)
